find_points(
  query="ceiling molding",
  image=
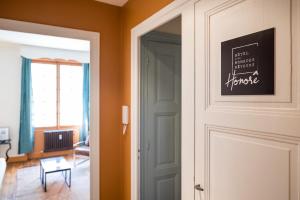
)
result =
(114, 2)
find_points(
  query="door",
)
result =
(247, 146)
(160, 139)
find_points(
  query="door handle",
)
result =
(198, 187)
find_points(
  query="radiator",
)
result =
(58, 140)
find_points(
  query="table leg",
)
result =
(41, 173)
(65, 175)
(70, 174)
(45, 181)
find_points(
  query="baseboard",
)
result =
(37, 155)
(21, 158)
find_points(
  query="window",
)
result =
(71, 83)
(44, 90)
(57, 94)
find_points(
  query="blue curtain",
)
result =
(86, 102)
(26, 136)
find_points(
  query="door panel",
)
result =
(161, 119)
(248, 166)
(247, 147)
(225, 20)
(165, 140)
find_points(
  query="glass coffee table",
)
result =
(52, 165)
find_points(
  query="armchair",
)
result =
(81, 149)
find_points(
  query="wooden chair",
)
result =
(82, 149)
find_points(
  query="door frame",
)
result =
(185, 8)
(94, 38)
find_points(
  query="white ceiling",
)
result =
(44, 41)
(114, 2)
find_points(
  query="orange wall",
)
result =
(114, 25)
(133, 13)
(91, 16)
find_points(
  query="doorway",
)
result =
(187, 120)
(160, 138)
(94, 39)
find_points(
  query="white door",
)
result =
(247, 147)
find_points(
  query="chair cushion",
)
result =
(82, 150)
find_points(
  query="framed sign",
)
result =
(4, 134)
(247, 64)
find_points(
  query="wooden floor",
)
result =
(10, 179)
(10, 183)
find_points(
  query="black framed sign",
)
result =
(247, 64)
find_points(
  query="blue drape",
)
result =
(86, 102)
(26, 136)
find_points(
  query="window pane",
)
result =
(71, 83)
(44, 95)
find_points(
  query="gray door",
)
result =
(160, 117)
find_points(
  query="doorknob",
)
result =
(198, 187)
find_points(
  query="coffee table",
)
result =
(52, 165)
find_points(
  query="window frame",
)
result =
(57, 63)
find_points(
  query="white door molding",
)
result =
(185, 8)
(94, 39)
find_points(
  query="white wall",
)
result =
(10, 82)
